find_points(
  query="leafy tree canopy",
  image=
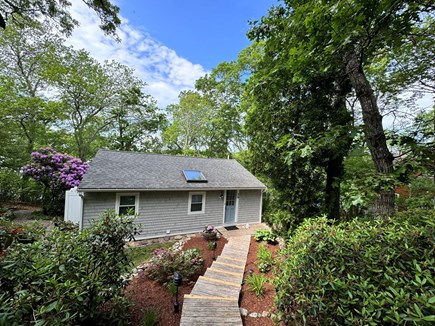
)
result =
(24, 11)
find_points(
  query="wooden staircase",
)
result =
(214, 299)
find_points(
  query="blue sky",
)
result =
(170, 44)
(205, 32)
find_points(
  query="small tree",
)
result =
(57, 173)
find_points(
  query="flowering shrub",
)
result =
(58, 173)
(164, 263)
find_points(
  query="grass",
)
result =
(141, 254)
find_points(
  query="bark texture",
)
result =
(374, 130)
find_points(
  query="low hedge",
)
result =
(360, 272)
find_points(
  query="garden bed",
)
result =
(146, 293)
(248, 300)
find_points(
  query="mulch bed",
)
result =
(146, 293)
(249, 300)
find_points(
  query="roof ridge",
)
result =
(169, 155)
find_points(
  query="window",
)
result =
(194, 176)
(127, 204)
(196, 202)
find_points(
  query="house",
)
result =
(171, 195)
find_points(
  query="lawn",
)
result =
(138, 255)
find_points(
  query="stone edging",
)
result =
(266, 314)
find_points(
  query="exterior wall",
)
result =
(163, 211)
(249, 210)
(94, 203)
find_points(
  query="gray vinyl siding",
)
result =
(162, 211)
(249, 206)
(95, 203)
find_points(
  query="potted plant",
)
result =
(209, 233)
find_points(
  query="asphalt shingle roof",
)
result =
(117, 170)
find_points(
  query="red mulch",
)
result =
(146, 293)
(249, 300)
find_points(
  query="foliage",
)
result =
(162, 266)
(24, 12)
(256, 283)
(420, 194)
(12, 233)
(58, 173)
(307, 43)
(68, 276)
(139, 255)
(359, 272)
(265, 235)
(150, 316)
(264, 258)
(10, 184)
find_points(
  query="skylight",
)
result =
(194, 176)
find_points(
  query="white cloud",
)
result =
(161, 68)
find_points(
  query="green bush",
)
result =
(165, 262)
(265, 235)
(264, 259)
(68, 277)
(360, 272)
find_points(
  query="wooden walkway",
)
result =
(214, 299)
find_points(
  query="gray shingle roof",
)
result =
(116, 170)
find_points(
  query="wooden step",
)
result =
(204, 287)
(224, 275)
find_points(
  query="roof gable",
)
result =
(117, 170)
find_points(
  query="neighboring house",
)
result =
(170, 194)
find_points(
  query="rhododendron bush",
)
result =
(57, 172)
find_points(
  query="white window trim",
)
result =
(190, 202)
(136, 200)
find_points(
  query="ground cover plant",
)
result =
(265, 235)
(367, 272)
(68, 277)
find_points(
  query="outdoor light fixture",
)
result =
(214, 250)
(222, 195)
(178, 279)
(251, 272)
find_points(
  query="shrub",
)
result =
(57, 172)
(165, 262)
(265, 235)
(68, 277)
(256, 283)
(359, 272)
(264, 259)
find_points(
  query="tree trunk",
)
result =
(374, 130)
(334, 172)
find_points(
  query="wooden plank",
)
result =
(214, 280)
(234, 259)
(230, 265)
(204, 297)
(217, 270)
(224, 277)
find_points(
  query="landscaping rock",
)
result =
(243, 312)
(253, 315)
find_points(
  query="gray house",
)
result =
(170, 194)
